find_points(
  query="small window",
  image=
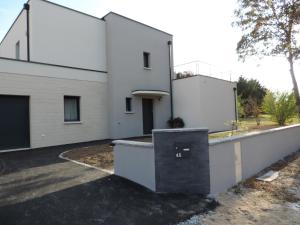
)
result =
(128, 104)
(18, 50)
(146, 60)
(72, 108)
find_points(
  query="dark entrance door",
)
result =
(147, 115)
(14, 122)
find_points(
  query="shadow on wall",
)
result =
(110, 201)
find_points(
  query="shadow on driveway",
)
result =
(57, 192)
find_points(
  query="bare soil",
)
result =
(100, 155)
(262, 127)
(258, 202)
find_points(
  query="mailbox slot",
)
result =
(182, 150)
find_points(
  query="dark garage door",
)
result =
(14, 122)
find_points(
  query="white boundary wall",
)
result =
(237, 158)
(135, 161)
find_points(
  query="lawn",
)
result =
(247, 125)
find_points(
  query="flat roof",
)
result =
(85, 14)
(135, 22)
(205, 76)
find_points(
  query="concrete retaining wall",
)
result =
(238, 158)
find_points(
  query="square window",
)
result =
(146, 59)
(128, 104)
(72, 108)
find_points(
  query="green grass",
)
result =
(265, 120)
(249, 124)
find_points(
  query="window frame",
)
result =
(147, 56)
(78, 100)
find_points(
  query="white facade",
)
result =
(46, 87)
(100, 61)
(203, 101)
(65, 37)
(126, 42)
(17, 33)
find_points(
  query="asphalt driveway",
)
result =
(36, 187)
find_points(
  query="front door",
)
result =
(147, 115)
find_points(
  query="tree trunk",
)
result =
(295, 85)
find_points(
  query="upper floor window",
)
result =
(72, 110)
(18, 50)
(146, 59)
(128, 104)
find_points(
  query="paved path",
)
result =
(36, 187)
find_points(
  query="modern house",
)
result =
(68, 77)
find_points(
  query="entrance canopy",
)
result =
(150, 93)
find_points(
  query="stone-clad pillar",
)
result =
(181, 161)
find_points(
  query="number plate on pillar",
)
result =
(182, 150)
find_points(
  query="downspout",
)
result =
(27, 7)
(170, 74)
(235, 104)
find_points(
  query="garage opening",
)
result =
(14, 122)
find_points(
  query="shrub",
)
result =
(240, 107)
(251, 108)
(176, 123)
(184, 74)
(281, 106)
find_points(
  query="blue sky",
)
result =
(8, 11)
(202, 31)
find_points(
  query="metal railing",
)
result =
(198, 67)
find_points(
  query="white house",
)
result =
(68, 77)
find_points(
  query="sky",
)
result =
(202, 32)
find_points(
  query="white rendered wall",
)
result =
(126, 42)
(17, 33)
(135, 161)
(203, 101)
(64, 37)
(257, 150)
(46, 86)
